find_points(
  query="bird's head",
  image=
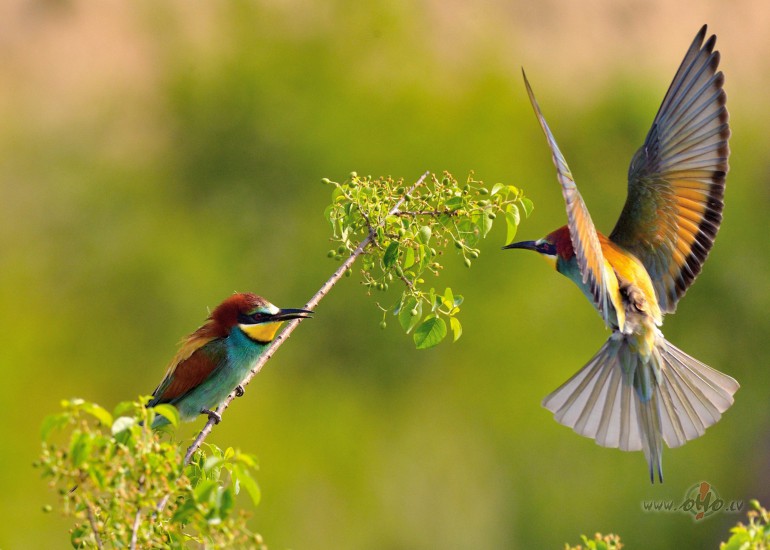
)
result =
(253, 315)
(553, 246)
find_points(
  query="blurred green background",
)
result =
(157, 156)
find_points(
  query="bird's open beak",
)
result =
(286, 314)
(526, 245)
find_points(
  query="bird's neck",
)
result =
(242, 350)
(571, 270)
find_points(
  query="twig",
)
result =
(135, 528)
(92, 521)
(434, 213)
(290, 326)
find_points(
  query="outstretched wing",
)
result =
(585, 241)
(676, 180)
(194, 362)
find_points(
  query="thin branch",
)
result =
(92, 521)
(135, 528)
(290, 327)
(293, 324)
(162, 503)
(432, 213)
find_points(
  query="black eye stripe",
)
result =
(254, 318)
(547, 248)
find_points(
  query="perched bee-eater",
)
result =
(639, 390)
(214, 360)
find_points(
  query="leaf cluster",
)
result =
(755, 535)
(406, 232)
(112, 472)
(599, 542)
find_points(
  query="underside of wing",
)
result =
(676, 179)
(585, 240)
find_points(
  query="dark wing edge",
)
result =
(676, 180)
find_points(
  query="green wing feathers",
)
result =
(676, 180)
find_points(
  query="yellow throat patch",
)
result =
(262, 332)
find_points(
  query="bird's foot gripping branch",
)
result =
(135, 490)
(406, 232)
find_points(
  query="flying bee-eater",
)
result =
(639, 390)
(214, 360)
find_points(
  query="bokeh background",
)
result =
(157, 156)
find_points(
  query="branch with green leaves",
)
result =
(110, 469)
(402, 232)
(155, 497)
(409, 232)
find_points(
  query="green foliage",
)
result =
(125, 486)
(405, 231)
(599, 542)
(755, 535)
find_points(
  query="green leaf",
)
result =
(338, 194)
(424, 258)
(249, 460)
(77, 535)
(408, 258)
(424, 234)
(527, 205)
(391, 254)
(227, 502)
(213, 462)
(405, 317)
(457, 328)
(169, 412)
(469, 232)
(449, 298)
(53, 422)
(486, 224)
(123, 408)
(185, 512)
(328, 214)
(248, 482)
(98, 477)
(80, 447)
(496, 188)
(205, 490)
(453, 204)
(98, 412)
(430, 332)
(514, 211)
(512, 225)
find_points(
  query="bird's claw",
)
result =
(239, 391)
(213, 415)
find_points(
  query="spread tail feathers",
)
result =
(622, 400)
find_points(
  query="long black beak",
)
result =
(286, 314)
(526, 245)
